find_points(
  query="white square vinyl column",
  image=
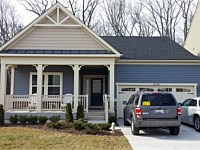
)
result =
(112, 86)
(76, 69)
(39, 87)
(3, 83)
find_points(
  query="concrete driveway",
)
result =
(160, 139)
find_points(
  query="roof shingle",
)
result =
(149, 48)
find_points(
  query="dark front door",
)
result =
(96, 92)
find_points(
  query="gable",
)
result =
(58, 29)
(46, 37)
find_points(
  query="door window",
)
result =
(186, 102)
(193, 103)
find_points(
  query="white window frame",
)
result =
(46, 75)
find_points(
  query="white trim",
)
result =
(58, 25)
(58, 5)
(158, 62)
(58, 15)
(157, 84)
(51, 19)
(55, 55)
(64, 19)
(46, 74)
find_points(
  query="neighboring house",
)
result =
(192, 43)
(57, 55)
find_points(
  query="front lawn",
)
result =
(29, 138)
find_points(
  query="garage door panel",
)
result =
(180, 93)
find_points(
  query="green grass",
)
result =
(20, 138)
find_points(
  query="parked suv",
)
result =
(152, 110)
(191, 112)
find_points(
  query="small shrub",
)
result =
(104, 126)
(57, 125)
(23, 119)
(54, 118)
(78, 125)
(68, 113)
(32, 119)
(112, 119)
(91, 128)
(14, 119)
(1, 115)
(80, 112)
(42, 119)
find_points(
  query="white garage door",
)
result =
(180, 92)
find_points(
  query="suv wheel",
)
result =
(174, 130)
(197, 123)
(126, 123)
(134, 130)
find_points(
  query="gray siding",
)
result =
(22, 75)
(158, 74)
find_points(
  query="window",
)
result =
(182, 90)
(158, 100)
(131, 99)
(165, 90)
(52, 83)
(186, 102)
(147, 89)
(193, 103)
(128, 89)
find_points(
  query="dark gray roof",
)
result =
(17, 51)
(149, 48)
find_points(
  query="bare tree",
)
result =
(83, 9)
(10, 23)
(38, 7)
(115, 19)
(187, 8)
(139, 22)
(163, 16)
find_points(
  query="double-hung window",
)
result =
(52, 83)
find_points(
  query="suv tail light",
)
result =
(179, 110)
(138, 111)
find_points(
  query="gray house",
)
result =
(57, 60)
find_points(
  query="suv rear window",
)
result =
(157, 100)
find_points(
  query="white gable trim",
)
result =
(80, 24)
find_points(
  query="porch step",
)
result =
(96, 115)
(96, 118)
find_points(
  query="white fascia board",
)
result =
(60, 55)
(159, 62)
(156, 84)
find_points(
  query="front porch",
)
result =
(43, 89)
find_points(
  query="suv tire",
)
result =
(174, 130)
(126, 123)
(134, 130)
(197, 123)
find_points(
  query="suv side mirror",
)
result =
(124, 102)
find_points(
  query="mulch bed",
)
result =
(68, 130)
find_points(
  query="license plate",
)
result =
(160, 111)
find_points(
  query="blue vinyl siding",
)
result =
(22, 75)
(158, 74)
